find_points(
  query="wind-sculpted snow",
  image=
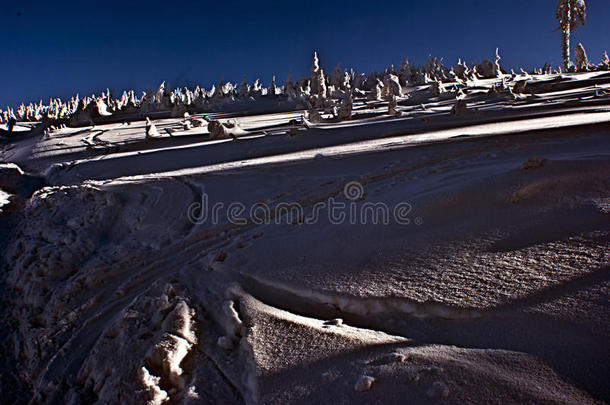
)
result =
(388, 241)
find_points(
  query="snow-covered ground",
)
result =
(434, 254)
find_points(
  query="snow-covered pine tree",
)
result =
(437, 88)
(405, 72)
(256, 89)
(546, 69)
(371, 80)
(289, 88)
(346, 80)
(358, 81)
(272, 88)
(605, 62)
(376, 93)
(158, 97)
(497, 58)
(582, 62)
(346, 106)
(488, 69)
(391, 86)
(244, 89)
(336, 77)
(318, 81)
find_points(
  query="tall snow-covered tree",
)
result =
(272, 88)
(289, 89)
(497, 59)
(318, 80)
(569, 13)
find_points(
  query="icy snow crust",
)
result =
(495, 291)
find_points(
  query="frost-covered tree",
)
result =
(256, 89)
(303, 86)
(391, 86)
(244, 89)
(497, 62)
(461, 70)
(160, 95)
(318, 81)
(336, 77)
(312, 114)
(358, 81)
(376, 93)
(435, 69)
(605, 62)
(488, 69)
(272, 87)
(226, 89)
(405, 72)
(199, 97)
(546, 69)
(346, 106)
(582, 62)
(289, 89)
(421, 77)
(569, 13)
(346, 81)
(437, 88)
(371, 80)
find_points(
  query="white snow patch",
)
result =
(156, 396)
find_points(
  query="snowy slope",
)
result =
(428, 255)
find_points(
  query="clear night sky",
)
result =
(56, 49)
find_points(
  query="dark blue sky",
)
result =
(56, 49)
